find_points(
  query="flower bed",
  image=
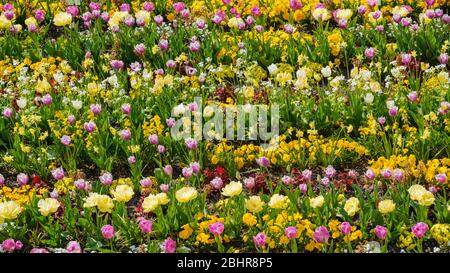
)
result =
(356, 157)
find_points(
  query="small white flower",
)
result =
(326, 71)
(179, 109)
(272, 69)
(77, 104)
(390, 104)
(368, 98)
(22, 103)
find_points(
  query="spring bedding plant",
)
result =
(93, 95)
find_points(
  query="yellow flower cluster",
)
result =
(22, 195)
(154, 201)
(288, 152)
(154, 126)
(441, 233)
(412, 167)
(203, 234)
(103, 202)
(421, 195)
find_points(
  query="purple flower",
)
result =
(249, 183)
(72, 10)
(80, 184)
(164, 187)
(406, 58)
(22, 179)
(163, 44)
(39, 15)
(443, 58)
(187, 172)
(381, 120)
(47, 99)
(106, 179)
(108, 232)
(194, 46)
(159, 20)
(161, 149)
(412, 96)
(379, 28)
(125, 134)
(105, 16)
(325, 181)
(146, 226)
(216, 228)
(169, 246)
(287, 180)
(195, 166)
(362, 9)
(191, 143)
(73, 247)
(39, 250)
(387, 173)
(9, 245)
(288, 28)
(139, 49)
(441, 178)
(2, 180)
(260, 239)
(131, 159)
(125, 7)
(307, 175)
(381, 232)
(89, 126)
(171, 64)
(217, 183)
(369, 52)
(419, 229)
(256, 11)
(330, 171)
(406, 22)
(372, 3)
(291, 232)
(7, 112)
(178, 7)
(95, 6)
(446, 18)
(148, 6)
(116, 64)
(19, 245)
(295, 4)
(430, 3)
(54, 194)
(303, 188)
(153, 139)
(393, 111)
(126, 108)
(263, 161)
(321, 235)
(146, 182)
(398, 175)
(342, 23)
(129, 21)
(433, 189)
(346, 228)
(168, 170)
(370, 174)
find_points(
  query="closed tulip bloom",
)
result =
(321, 235)
(381, 232)
(419, 229)
(291, 232)
(108, 232)
(169, 246)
